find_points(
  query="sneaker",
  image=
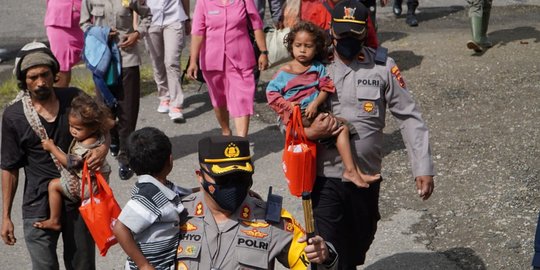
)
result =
(163, 106)
(176, 115)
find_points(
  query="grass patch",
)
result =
(82, 78)
(8, 91)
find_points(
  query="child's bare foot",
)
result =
(354, 176)
(48, 224)
(368, 178)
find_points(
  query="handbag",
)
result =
(256, 51)
(100, 211)
(299, 156)
(200, 77)
(275, 42)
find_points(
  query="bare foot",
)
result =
(48, 224)
(368, 178)
(354, 176)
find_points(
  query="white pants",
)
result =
(165, 44)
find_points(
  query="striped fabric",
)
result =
(152, 214)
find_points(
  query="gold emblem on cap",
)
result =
(348, 13)
(232, 151)
(219, 170)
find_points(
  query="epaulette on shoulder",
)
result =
(189, 198)
(381, 54)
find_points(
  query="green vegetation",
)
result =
(81, 78)
(8, 91)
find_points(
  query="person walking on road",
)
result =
(227, 228)
(220, 44)
(411, 19)
(147, 228)
(65, 35)
(41, 111)
(165, 41)
(365, 88)
(479, 12)
(118, 16)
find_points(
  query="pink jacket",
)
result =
(225, 31)
(63, 13)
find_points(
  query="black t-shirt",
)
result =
(21, 148)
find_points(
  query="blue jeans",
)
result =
(79, 247)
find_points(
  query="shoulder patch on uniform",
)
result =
(189, 198)
(246, 212)
(288, 218)
(199, 209)
(395, 71)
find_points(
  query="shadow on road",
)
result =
(390, 36)
(267, 141)
(462, 258)
(433, 13)
(185, 145)
(406, 59)
(200, 98)
(505, 36)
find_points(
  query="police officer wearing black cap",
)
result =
(227, 228)
(366, 86)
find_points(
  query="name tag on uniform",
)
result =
(213, 12)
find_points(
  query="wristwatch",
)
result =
(264, 52)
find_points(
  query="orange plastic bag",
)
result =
(299, 156)
(100, 210)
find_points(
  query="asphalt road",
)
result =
(439, 233)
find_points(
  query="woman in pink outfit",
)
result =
(65, 35)
(220, 41)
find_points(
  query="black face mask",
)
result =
(41, 93)
(348, 47)
(231, 190)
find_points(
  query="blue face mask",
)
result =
(348, 47)
(230, 190)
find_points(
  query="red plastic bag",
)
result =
(299, 156)
(100, 210)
